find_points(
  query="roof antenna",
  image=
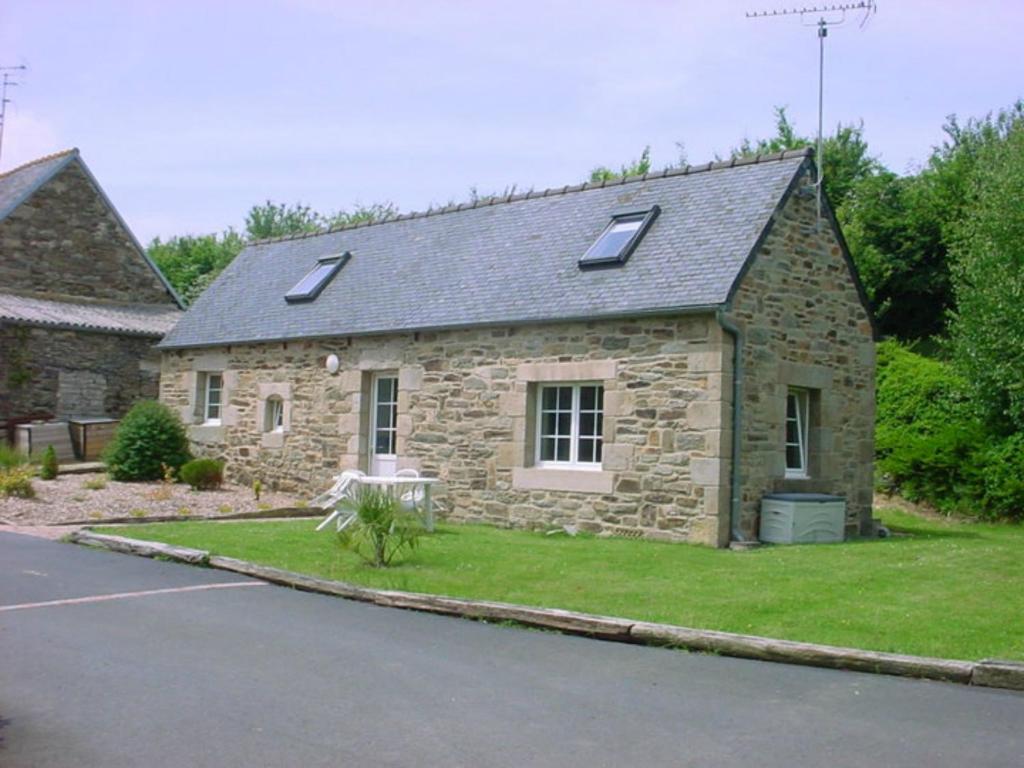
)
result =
(829, 16)
(8, 81)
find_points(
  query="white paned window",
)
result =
(385, 415)
(213, 392)
(273, 415)
(797, 413)
(570, 422)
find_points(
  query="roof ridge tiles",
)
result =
(688, 170)
(39, 161)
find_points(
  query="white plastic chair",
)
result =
(344, 487)
(412, 498)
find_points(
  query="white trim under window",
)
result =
(797, 420)
(570, 423)
(213, 393)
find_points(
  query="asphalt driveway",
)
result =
(186, 666)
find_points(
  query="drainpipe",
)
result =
(735, 491)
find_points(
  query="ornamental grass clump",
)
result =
(17, 481)
(381, 528)
(203, 474)
(149, 436)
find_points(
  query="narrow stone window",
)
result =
(211, 387)
(273, 414)
(570, 423)
(797, 421)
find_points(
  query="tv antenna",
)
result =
(8, 81)
(828, 16)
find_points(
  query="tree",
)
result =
(636, 168)
(846, 160)
(192, 262)
(987, 328)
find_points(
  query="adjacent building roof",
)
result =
(507, 261)
(19, 184)
(128, 319)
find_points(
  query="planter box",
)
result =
(90, 436)
(32, 439)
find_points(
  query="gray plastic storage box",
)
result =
(802, 518)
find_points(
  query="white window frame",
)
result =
(208, 378)
(802, 421)
(273, 414)
(574, 429)
(374, 405)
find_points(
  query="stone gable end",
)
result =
(65, 240)
(805, 327)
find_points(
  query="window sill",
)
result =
(579, 480)
(207, 433)
(273, 439)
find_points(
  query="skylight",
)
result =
(309, 287)
(619, 239)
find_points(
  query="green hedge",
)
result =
(931, 446)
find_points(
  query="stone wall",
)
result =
(74, 373)
(65, 240)
(805, 326)
(465, 414)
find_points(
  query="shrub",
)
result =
(48, 466)
(381, 528)
(17, 481)
(1004, 478)
(929, 445)
(203, 474)
(9, 457)
(149, 436)
(95, 483)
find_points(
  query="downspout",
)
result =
(735, 490)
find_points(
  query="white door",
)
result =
(383, 425)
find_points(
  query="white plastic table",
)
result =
(399, 485)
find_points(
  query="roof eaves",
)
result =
(693, 309)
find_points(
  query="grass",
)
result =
(938, 588)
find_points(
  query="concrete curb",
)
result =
(990, 673)
(272, 514)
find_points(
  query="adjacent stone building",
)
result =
(81, 305)
(577, 355)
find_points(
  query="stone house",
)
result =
(576, 355)
(81, 305)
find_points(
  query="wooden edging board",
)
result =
(990, 673)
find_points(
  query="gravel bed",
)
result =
(69, 498)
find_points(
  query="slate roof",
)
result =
(509, 261)
(129, 319)
(17, 184)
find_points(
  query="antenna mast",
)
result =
(828, 16)
(8, 81)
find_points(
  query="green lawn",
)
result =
(939, 589)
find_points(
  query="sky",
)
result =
(191, 112)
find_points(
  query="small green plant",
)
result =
(95, 483)
(203, 474)
(381, 529)
(225, 509)
(48, 467)
(184, 511)
(257, 488)
(9, 457)
(79, 497)
(96, 515)
(264, 506)
(17, 481)
(138, 513)
(149, 437)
